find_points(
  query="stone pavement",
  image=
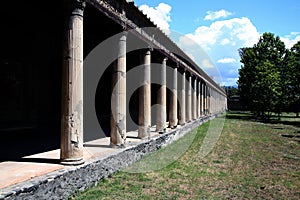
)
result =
(13, 172)
(41, 175)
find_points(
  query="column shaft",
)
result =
(205, 99)
(208, 100)
(145, 98)
(71, 141)
(173, 101)
(189, 101)
(182, 100)
(194, 107)
(199, 100)
(202, 99)
(162, 99)
(118, 99)
(211, 99)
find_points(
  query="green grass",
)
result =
(251, 160)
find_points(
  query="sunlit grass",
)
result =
(251, 160)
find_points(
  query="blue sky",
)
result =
(221, 27)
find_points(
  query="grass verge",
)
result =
(251, 160)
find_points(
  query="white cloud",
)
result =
(213, 15)
(226, 60)
(207, 64)
(221, 39)
(295, 33)
(229, 81)
(238, 32)
(225, 41)
(291, 39)
(160, 15)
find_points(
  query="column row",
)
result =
(190, 97)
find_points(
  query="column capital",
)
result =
(150, 48)
(165, 59)
(184, 69)
(76, 7)
(146, 51)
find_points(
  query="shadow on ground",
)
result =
(245, 115)
(15, 144)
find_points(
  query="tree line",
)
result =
(269, 79)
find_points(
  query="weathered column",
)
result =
(162, 99)
(219, 102)
(211, 99)
(173, 101)
(118, 98)
(199, 100)
(205, 99)
(226, 105)
(194, 107)
(145, 97)
(182, 100)
(208, 100)
(202, 99)
(214, 98)
(217, 109)
(189, 100)
(71, 141)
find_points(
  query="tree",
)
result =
(293, 78)
(260, 76)
(247, 76)
(267, 89)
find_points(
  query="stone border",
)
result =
(61, 184)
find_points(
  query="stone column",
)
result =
(194, 107)
(205, 99)
(211, 99)
(71, 141)
(162, 99)
(118, 98)
(208, 100)
(217, 103)
(202, 99)
(189, 100)
(199, 100)
(182, 100)
(145, 97)
(173, 101)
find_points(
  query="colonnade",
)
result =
(190, 100)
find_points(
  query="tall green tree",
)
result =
(260, 76)
(293, 78)
(247, 76)
(271, 49)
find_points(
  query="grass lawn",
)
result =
(251, 160)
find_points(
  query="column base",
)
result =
(72, 161)
(115, 146)
(162, 131)
(143, 132)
